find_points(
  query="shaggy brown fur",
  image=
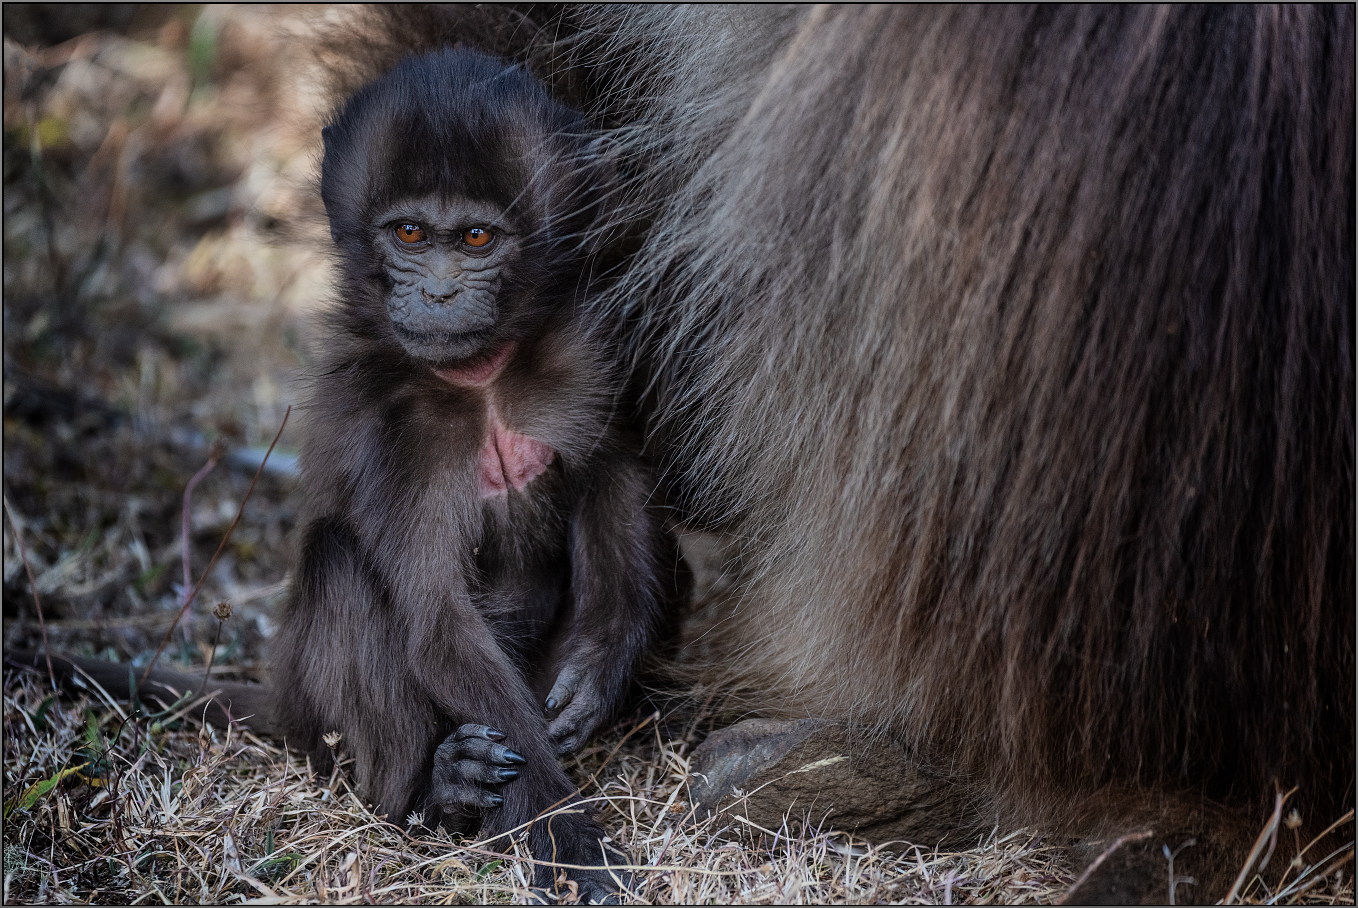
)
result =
(1030, 379)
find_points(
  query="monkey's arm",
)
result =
(622, 582)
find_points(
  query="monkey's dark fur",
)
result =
(1016, 347)
(477, 538)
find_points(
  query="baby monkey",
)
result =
(480, 572)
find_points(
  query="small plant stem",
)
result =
(211, 656)
(186, 549)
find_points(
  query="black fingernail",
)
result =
(551, 702)
(513, 757)
(495, 800)
(507, 774)
(495, 735)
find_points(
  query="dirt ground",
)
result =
(164, 261)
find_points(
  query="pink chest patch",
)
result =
(506, 459)
(509, 459)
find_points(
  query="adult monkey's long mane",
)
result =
(1017, 346)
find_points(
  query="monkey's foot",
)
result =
(582, 887)
(467, 761)
(827, 775)
(601, 886)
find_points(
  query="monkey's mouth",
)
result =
(439, 348)
(479, 371)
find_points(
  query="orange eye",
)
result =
(477, 237)
(410, 233)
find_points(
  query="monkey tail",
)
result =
(222, 703)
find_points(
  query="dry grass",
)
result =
(169, 810)
(160, 269)
(166, 809)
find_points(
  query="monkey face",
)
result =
(460, 197)
(446, 262)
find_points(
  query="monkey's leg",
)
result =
(622, 570)
(340, 664)
(466, 672)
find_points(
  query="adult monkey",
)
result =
(1018, 345)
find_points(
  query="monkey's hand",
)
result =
(470, 759)
(575, 706)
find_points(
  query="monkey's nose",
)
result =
(438, 298)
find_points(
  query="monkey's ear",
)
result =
(329, 178)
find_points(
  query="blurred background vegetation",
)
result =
(163, 249)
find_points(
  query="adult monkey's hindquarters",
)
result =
(1018, 346)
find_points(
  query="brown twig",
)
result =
(1296, 860)
(33, 588)
(1266, 837)
(217, 554)
(1347, 817)
(186, 550)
